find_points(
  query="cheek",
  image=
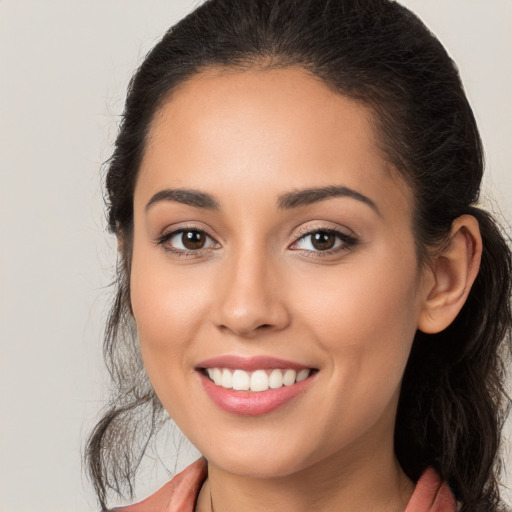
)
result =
(365, 323)
(365, 316)
(168, 307)
(168, 311)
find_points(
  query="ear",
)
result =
(453, 272)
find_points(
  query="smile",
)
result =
(258, 380)
(253, 386)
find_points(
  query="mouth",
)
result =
(253, 386)
(258, 380)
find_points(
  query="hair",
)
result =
(453, 401)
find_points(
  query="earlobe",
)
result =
(454, 270)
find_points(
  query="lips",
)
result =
(250, 364)
(253, 386)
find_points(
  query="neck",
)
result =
(373, 482)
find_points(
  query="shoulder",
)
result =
(431, 495)
(178, 495)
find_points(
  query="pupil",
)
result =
(193, 239)
(323, 240)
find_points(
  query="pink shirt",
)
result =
(180, 494)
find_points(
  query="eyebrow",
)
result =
(313, 195)
(290, 200)
(184, 196)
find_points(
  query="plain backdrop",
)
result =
(64, 67)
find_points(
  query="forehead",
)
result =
(280, 129)
(253, 106)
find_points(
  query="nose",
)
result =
(250, 297)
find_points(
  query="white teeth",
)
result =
(289, 377)
(217, 376)
(275, 379)
(240, 380)
(259, 380)
(302, 375)
(227, 379)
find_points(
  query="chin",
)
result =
(259, 459)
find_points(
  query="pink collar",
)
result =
(180, 494)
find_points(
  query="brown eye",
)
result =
(323, 240)
(193, 240)
(328, 241)
(187, 240)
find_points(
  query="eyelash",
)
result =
(348, 241)
(183, 253)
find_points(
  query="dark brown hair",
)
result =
(452, 403)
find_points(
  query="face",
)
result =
(273, 253)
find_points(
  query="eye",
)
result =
(187, 240)
(319, 241)
(324, 240)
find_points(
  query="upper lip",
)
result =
(249, 364)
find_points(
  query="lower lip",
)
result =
(246, 403)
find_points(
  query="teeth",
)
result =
(259, 380)
(240, 380)
(275, 379)
(289, 377)
(227, 379)
(217, 376)
(302, 375)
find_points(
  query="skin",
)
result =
(259, 287)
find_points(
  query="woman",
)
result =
(307, 286)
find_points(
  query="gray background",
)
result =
(64, 66)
